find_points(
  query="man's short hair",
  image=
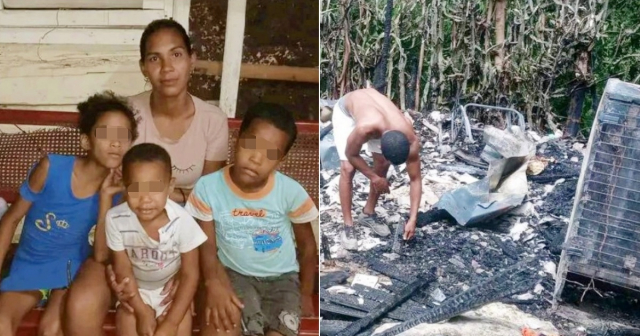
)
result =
(395, 147)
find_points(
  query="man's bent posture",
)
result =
(367, 116)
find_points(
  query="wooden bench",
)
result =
(19, 151)
(29, 327)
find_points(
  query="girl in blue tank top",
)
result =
(61, 199)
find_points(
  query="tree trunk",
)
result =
(578, 94)
(423, 24)
(380, 74)
(500, 14)
(575, 110)
(342, 82)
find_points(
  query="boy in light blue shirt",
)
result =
(252, 213)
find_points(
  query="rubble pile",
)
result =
(460, 257)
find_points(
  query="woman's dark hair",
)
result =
(158, 25)
(274, 114)
(100, 103)
(145, 152)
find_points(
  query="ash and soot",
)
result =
(491, 276)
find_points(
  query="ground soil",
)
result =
(277, 33)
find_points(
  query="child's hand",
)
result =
(223, 308)
(306, 302)
(166, 329)
(146, 322)
(112, 184)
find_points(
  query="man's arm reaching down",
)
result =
(415, 188)
(356, 139)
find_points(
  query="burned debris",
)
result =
(494, 213)
(603, 238)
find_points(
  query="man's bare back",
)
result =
(366, 116)
(374, 111)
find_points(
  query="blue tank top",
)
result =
(55, 236)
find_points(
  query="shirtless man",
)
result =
(366, 116)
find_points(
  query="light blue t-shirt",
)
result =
(254, 232)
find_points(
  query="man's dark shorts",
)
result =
(271, 303)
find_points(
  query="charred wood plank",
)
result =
(513, 280)
(400, 313)
(371, 293)
(506, 249)
(386, 306)
(390, 271)
(333, 278)
(395, 286)
(380, 296)
(551, 178)
(470, 160)
(350, 301)
(325, 247)
(332, 327)
(340, 310)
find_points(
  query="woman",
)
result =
(193, 132)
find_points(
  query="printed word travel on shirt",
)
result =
(251, 228)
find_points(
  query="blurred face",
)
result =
(258, 152)
(148, 187)
(167, 63)
(110, 138)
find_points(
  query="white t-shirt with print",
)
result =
(154, 262)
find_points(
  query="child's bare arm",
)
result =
(20, 207)
(123, 269)
(100, 249)
(212, 269)
(111, 185)
(307, 258)
(9, 222)
(222, 305)
(189, 274)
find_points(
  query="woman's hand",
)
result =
(124, 291)
(170, 289)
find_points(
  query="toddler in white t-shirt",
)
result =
(151, 239)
